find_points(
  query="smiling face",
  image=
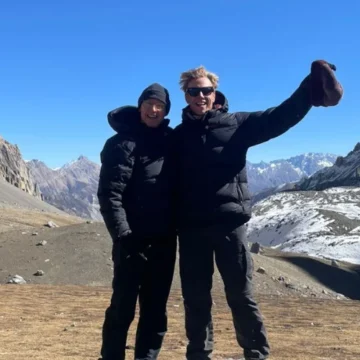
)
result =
(152, 112)
(200, 95)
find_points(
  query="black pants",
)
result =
(197, 249)
(150, 281)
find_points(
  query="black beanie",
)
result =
(158, 92)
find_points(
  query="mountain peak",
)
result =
(278, 172)
(345, 172)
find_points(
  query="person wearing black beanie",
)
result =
(134, 199)
(157, 92)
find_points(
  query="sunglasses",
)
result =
(195, 91)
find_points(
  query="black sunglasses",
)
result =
(195, 91)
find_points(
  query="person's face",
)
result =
(152, 112)
(200, 95)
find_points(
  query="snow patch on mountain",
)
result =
(318, 223)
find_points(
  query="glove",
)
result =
(133, 245)
(325, 89)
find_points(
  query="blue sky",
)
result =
(64, 65)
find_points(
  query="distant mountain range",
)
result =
(318, 216)
(71, 188)
(268, 175)
(345, 172)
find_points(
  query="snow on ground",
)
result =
(318, 223)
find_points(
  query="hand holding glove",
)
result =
(325, 89)
(133, 245)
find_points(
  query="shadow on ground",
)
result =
(342, 281)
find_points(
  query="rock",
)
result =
(89, 222)
(41, 243)
(290, 286)
(340, 297)
(339, 161)
(14, 169)
(261, 270)
(255, 248)
(17, 279)
(35, 233)
(335, 263)
(281, 278)
(324, 292)
(39, 273)
(51, 224)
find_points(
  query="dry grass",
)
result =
(64, 322)
(24, 219)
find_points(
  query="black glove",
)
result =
(133, 245)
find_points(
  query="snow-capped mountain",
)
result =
(71, 188)
(278, 172)
(345, 172)
(318, 223)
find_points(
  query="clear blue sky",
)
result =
(65, 64)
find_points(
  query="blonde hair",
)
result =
(196, 73)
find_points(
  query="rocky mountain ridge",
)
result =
(71, 188)
(344, 172)
(13, 169)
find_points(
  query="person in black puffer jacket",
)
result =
(134, 201)
(221, 102)
(213, 201)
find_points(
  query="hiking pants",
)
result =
(150, 281)
(234, 262)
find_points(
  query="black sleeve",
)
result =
(171, 168)
(261, 126)
(117, 162)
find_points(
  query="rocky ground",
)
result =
(80, 254)
(310, 306)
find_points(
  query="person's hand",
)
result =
(325, 89)
(133, 245)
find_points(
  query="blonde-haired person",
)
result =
(213, 200)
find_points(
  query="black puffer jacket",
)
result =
(210, 158)
(133, 189)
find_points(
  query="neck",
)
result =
(197, 116)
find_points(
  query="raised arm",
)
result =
(261, 126)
